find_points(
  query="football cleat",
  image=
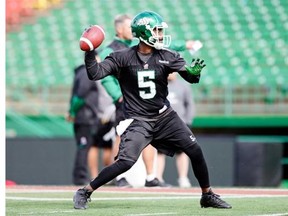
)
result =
(156, 183)
(81, 198)
(123, 183)
(213, 200)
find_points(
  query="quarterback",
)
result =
(142, 72)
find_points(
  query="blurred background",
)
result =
(241, 100)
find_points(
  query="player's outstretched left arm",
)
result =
(193, 72)
(196, 67)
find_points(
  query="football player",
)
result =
(124, 39)
(142, 72)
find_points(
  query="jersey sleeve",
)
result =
(75, 104)
(110, 83)
(97, 71)
(176, 62)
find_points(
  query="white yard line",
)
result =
(52, 212)
(99, 199)
(101, 191)
(278, 214)
(71, 211)
(143, 191)
(137, 198)
(179, 193)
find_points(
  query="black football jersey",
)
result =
(143, 84)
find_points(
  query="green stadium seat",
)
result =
(245, 42)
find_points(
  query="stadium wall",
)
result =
(49, 161)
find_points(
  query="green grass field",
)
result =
(143, 202)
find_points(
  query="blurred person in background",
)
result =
(181, 99)
(104, 135)
(124, 39)
(92, 125)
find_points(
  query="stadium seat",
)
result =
(245, 42)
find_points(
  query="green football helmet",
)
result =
(149, 27)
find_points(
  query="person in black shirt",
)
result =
(142, 72)
(83, 114)
(92, 125)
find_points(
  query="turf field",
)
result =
(57, 201)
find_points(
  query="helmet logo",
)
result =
(144, 21)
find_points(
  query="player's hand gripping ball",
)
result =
(91, 38)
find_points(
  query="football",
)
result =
(91, 38)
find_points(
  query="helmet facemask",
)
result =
(157, 37)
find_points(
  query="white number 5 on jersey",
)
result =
(144, 81)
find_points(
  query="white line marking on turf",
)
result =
(29, 190)
(150, 214)
(52, 212)
(99, 199)
(105, 192)
(279, 214)
(137, 198)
